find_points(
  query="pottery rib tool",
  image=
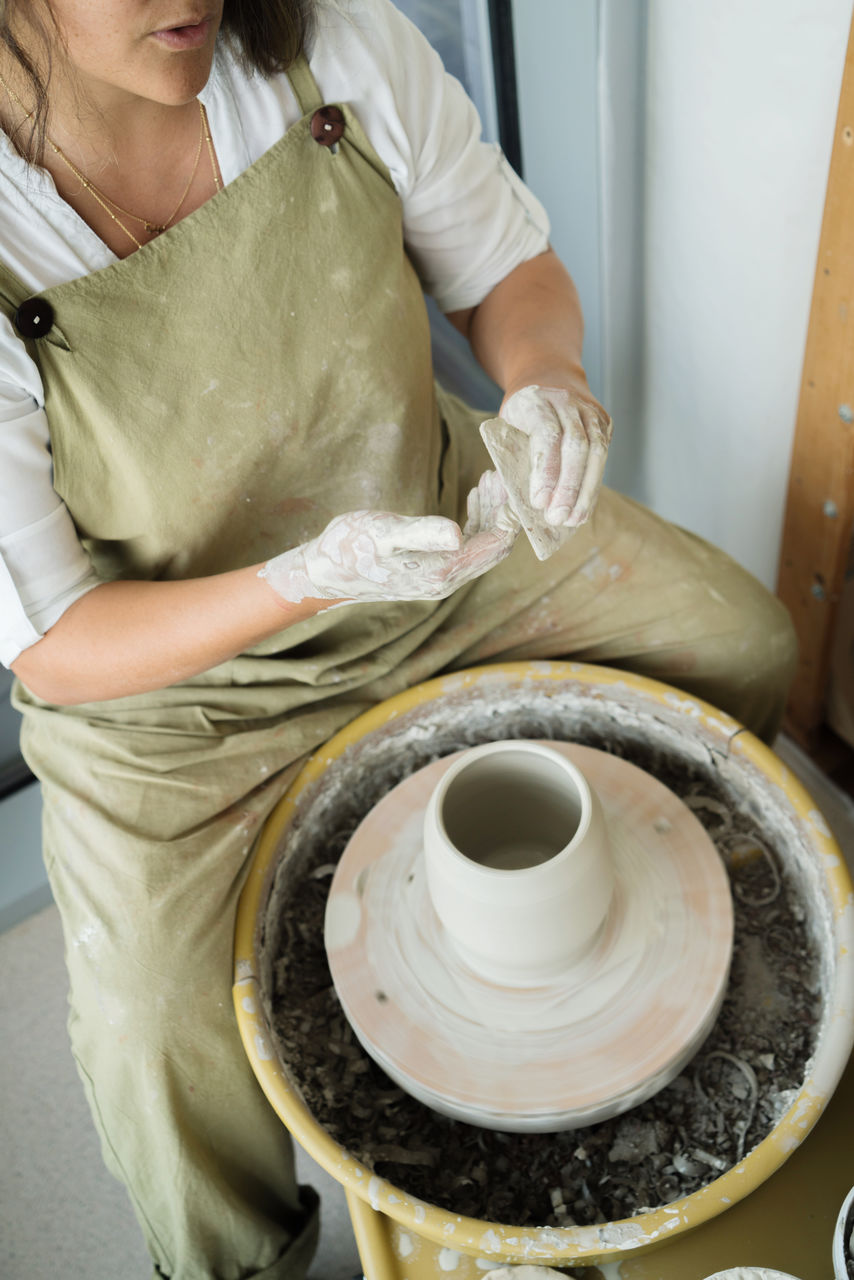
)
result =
(508, 448)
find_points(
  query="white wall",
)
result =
(580, 72)
(622, 134)
(741, 105)
(682, 149)
(556, 69)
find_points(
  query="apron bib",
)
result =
(222, 393)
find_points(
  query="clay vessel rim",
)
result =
(583, 791)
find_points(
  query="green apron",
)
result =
(214, 399)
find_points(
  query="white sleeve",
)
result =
(468, 220)
(43, 567)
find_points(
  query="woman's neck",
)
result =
(121, 161)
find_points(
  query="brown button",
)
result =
(34, 318)
(327, 125)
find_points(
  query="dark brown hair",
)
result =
(266, 35)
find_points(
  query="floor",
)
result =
(62, 1214)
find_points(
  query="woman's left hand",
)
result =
(569, 433)
(487, 511)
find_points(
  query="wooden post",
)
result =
(820, 502)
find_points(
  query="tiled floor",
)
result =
(62, 1217)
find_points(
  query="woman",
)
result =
(230, 503)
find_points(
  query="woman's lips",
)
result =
(189, 37)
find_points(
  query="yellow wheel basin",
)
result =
(400, 1236)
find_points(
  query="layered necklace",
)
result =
(109, 205)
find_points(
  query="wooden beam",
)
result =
(819, 516)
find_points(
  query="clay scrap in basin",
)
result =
(597, 1039)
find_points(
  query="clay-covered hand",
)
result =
(375, 556)
(487, 510)
(569, 434)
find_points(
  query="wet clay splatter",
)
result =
(726, 1100)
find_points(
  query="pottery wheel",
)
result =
(606, 1035)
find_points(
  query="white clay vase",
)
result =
(518, 861)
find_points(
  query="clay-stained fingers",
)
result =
(598, 430)
(439, 574)
(487, 507)
(393, 533)
(546, 439)
(532, 412)
(482, 552)
(473, 510)
(573, 460)
(378, 556)
(568, 443)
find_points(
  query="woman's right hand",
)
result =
(379, 556)
(127, 637)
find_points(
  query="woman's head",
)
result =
(161, 50)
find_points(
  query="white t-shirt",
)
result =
(467, 219)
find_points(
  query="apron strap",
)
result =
(304, 85)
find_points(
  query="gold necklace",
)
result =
(152, 228)
(109, 205)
